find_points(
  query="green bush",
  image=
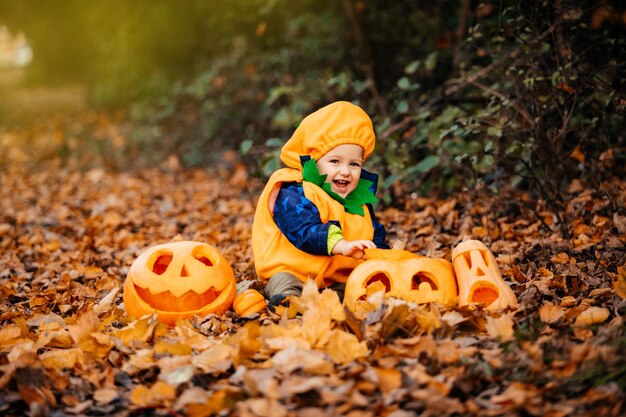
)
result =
(503, 93)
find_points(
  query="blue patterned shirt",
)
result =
(299, 220)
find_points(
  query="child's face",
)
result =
(342, 164)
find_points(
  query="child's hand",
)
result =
(353, 248)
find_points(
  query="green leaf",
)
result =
(412, 67)
(495, 131)
(274, 142)
(427, 164)
(404, 83)
(245, 146)
(402, 107)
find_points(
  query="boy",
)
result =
(314, 219)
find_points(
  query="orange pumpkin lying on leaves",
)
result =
(178, 280)
(404, 275)
(479, 278)
(248, 302)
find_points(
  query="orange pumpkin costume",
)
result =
(336, 124)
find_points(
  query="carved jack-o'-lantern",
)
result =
(479, 278)
(179, 280)
(403, 275)
(248, 302)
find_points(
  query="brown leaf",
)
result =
(216, 359)
(520, 395)
(620, 223)
(592, 315)
(500, 327)
(105, 396)
(620, 283)
(388, 379)
(549, 313)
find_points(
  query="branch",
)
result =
(471, 79)
(506, 59)
(527, 118)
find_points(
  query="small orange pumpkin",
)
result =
(248, 302)
(479, 278)
(404, 275)
(178, 280)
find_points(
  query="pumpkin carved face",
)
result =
(479, 278)
(402, 275)
(179, 280)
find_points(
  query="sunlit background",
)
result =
(460, 92)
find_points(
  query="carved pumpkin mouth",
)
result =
(484, 293)
(189, 301)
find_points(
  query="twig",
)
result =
(517, 107)
(470, 79)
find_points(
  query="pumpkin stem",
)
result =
(398, 245)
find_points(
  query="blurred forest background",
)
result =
(506, 93)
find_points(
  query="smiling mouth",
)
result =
(341, 183)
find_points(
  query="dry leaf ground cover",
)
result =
(71, 227)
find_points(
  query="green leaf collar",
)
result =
(353, 203)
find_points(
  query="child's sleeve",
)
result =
(380, 234)
(299, 220)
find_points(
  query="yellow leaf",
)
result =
(501, 327)
(316, 326)
(329, 301)
(246, 341)
(85, 324)
(141, 396)
(620, 284)
(592, 315)
(162, 391)
(162, 347)
(9, 335)
(345, 347)
(139, 330)
(207, 406)
(98, 343)
(326, 300)
(61, 358)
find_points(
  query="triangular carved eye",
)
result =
(468, 259)
(161, 263)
